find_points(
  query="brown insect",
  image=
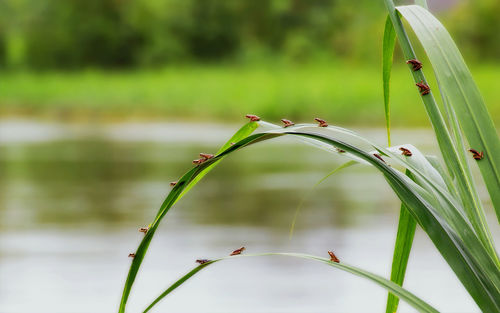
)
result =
(237, 251)
(416, 64)
(143, 229)
(173, 183)
(202, 261)
(199, 161)
(206, 156)
(287, 122)
(424, 88)
(131, 255)
(322, 123)
(405, 152)
(333, 257)
(477, 155)
(378, 156)
(232, 143)
(253, 118)
(340, 150)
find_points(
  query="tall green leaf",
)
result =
(387, 56)
(459, 87)
(402, 248)
(457, 168)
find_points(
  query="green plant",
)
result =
(443, 201)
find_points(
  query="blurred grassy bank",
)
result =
(344, 94)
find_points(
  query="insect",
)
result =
(322, 123)
(202, 261)
(131, 255)
(206, 156)
(199, 161)
(143, 229)
(253, 118)
(173, 183)
(232, 143)
(287, 122)
(237, 251)
(340, 150)
(378, 156)
(424, 88)
(405, 152)
(477, 155)
(416, 64)
(333, 257)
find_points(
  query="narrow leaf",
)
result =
(387, 58)
(463, 95)
(456, 167)
(407, 296)
(404, 242)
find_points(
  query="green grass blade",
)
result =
(460, 90)
(243, 132)
(456, 167)
(407, 296)
(452, 235)
(457, 242)
(464, 253)
(389, 43)
(186, 182)
(178, 283)
(404, 241)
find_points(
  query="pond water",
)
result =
(74, 195)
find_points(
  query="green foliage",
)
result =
(427, 198)
(131, 33)
(413, 300)
(445, 204)
(184, 184)
(404, 241)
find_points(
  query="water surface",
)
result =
(74, 195)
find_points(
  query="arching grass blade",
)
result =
(407, 296)
(186, 182)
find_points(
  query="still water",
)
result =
(74, 195)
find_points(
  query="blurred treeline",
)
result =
(55, 34)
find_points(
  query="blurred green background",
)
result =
(104, 102)
(218, 60)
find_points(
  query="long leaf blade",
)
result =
(410, 298)
(457, 83)
(404, 241)
(457, 168)
(389, 43)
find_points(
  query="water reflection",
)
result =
(72, 200)
(111, 183)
